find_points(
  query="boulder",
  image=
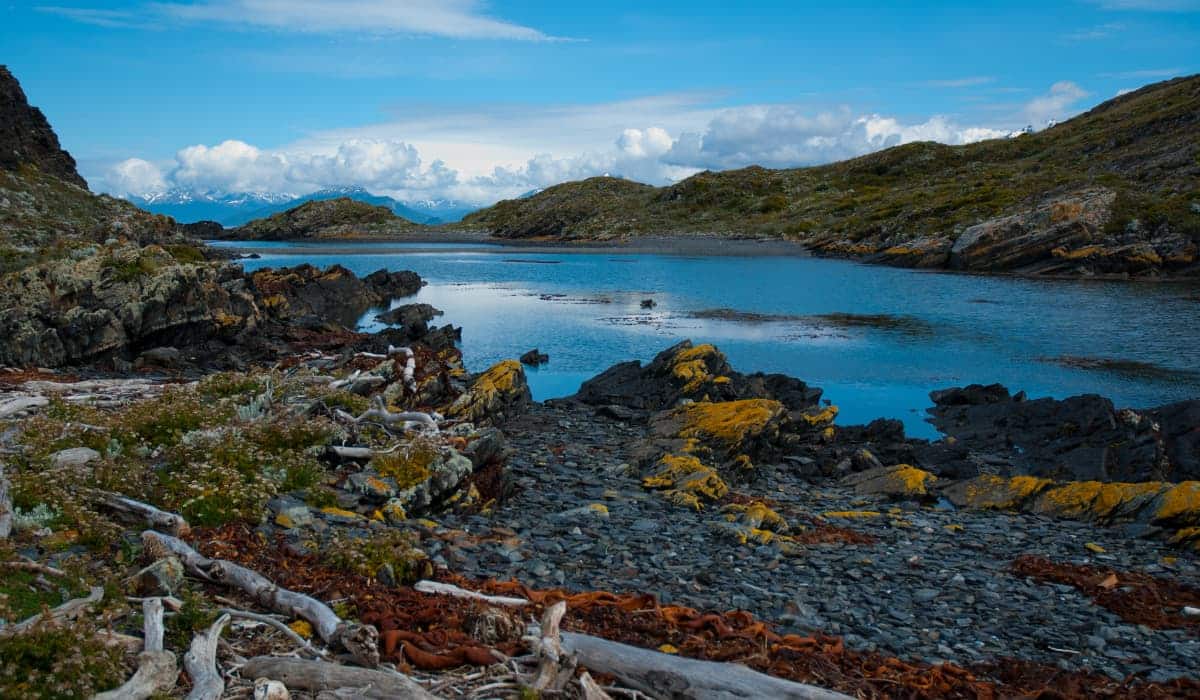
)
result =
(1081, 438)
(412, 319)
(311, 296)
(534, 358)
(74, 457)
(494, 396)
(899, 481)
(687, 371)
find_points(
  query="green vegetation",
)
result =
(53, 662)
(370, 555)
(1145, 146)
(326, 218)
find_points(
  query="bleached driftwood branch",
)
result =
(362, 641)
(666, 675)
(66, 611)
(156, 670)
(287, 631)
(161, 520)
(592, 689)
(380, 414)
(437, 588)
(555, 667)
(6, 505)
(201, 663)
(410, 366)
(318, 676)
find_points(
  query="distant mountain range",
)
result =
(239, 208)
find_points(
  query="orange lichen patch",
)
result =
(851, 514)
(755, 514)
(1136, 597)
(691, 366)
(899, 481)
(341, 512)
(1073, 500)
(1115, 498)
(729, 422)
(996, 492)
(1179, 505)
(1187, 537)
(1078, 253)
(819, 418)
(687, 481)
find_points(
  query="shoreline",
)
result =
(697, 245)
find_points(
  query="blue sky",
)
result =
(474, 100)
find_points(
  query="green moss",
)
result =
(195, 615)
(409, 465)
(53, 662)
(187, 254)
(368, 556)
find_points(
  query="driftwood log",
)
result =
(265, 689)
(319, 676)
(592, 689)
(665, 675)
(66, 611)
(160, 520)
(201, 663)
(156, 670)
(272, 622)
(555, 668)
(438, 588)
(6, 505)
(379, 413)
(410, 366)
(362, 641)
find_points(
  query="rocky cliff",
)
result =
(1113, 191)
(26, 137)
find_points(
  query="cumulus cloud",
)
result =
(459, 19)
(1058, 103)
(775, 136)
(135, 176)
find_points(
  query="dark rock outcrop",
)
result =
(323, 218)
(412, 319)
(309, 296)
(534, 357)
(1079, 438)
(687, 371)
(26, 137)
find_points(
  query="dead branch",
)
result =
(318, 676)
(288, 631)
(156, 673)
(410, 366)
(6, 505)
(158, 519)
(156, 670)
(67, 610)
(152, 617)
(30, 565)
(592, 689)
(201, 663)
(437, 588)
(555, 668)
(665, 675)
(362, 641)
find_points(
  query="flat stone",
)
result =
(74, 457)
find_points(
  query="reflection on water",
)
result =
(876, 339)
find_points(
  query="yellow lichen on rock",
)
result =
(686, 481)
(1179, 505)
(814, 418)
(729, 422)
(1072, 500)
(851, 514)
(996, 492)
(499, 389)
(756, 515)
(302, 628)
(899, 481)
(690, 366)
(342, 513)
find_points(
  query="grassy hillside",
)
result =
(341, 218)
(1143, 146)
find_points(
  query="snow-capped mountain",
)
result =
(235, 209)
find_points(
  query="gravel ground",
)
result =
(934, 586)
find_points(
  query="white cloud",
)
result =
(1124, 91)
(459, 19)
(135, 176)
(1102, 31)
(495, 152)
(1057, 104)
(1149, 5)
(110, 19)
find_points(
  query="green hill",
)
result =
(341, 218)
(1114, 190)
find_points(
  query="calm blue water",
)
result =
(583, 309)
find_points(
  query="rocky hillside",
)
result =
(1114, 190)
(341, 218)
(46, 210)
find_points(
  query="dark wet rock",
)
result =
(648, 303)
(1078, 438)
(488, 446)
(1179, 425)
(206, 230)
(534, 358)
(687, 371)
(159, 357)
(412, 319)
(310, 296)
